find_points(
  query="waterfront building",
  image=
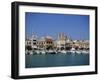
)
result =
(55, 44)
(34, 40)
(28, 46)
(84, 44)
(28, 42)
(49, 44)
(69, 43)
(61, 41)
(41, 43)
(81, 44)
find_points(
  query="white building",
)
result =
(41, 43)
(34, 40)
(61, 41)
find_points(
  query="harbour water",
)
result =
(55, 60)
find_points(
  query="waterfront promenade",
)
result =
(63, 44)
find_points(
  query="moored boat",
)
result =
(63, 51)
(43, 52)
(72, 50)
(85, 52)
(78, 52)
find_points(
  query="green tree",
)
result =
(28, 48)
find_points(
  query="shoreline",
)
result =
(57, 52)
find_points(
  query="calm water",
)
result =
(53, 60)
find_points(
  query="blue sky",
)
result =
(43, 24)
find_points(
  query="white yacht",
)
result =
(72, 50)
(63, 51)
(38, 52)
(31, 52)
(51, 52)
(85, 52)
(78, 52)
(43, 52)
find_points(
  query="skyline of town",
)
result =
(44, 24)
(56, 38)
(47, 45)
